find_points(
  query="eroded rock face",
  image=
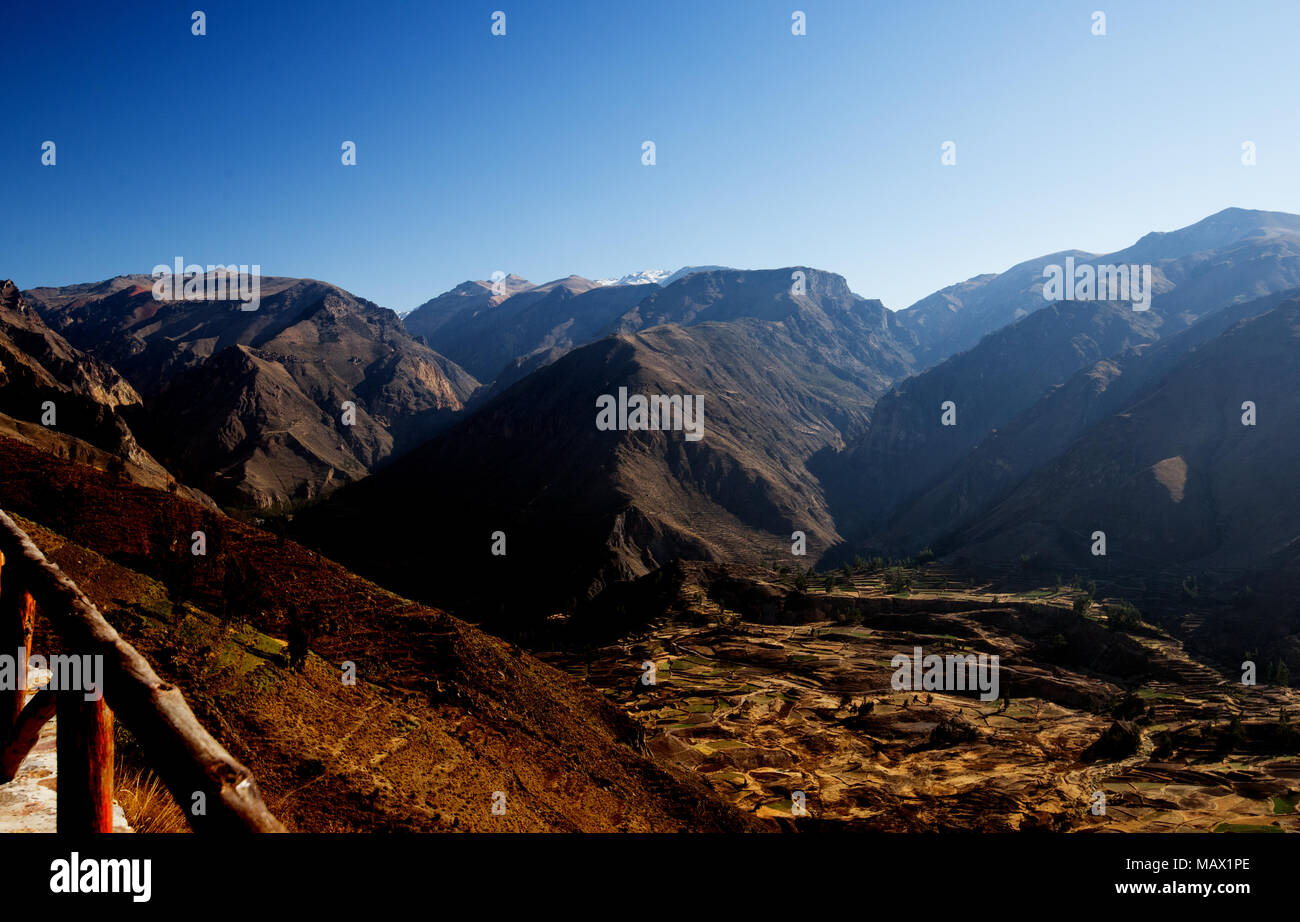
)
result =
(782, 377)
(45, 358)
(263, 408)
(68, 403)
(45, 380)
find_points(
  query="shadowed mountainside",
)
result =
(494, 333)
(1174, 477)
(1234, 255)
(1046, 430)
(441, 715)
(1225, 261)
(249, 405)
(781, 378)
(67, 402)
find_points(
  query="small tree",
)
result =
(1082, 605)
(296, 650)
(897, 580)
(1123, 616)
(241, 589)
(1235, 737)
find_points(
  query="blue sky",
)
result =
(523, 153)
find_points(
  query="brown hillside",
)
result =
(441, 716)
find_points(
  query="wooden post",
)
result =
(34, 717)
(17, 621)
(85, 764)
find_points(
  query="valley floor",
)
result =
(765, 710)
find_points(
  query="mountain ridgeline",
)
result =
(986, 421)
(1026, 391)
(783, 373)
(250, 406)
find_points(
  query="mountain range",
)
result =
(249, 406)
(456, 458)
(824, 415)
(1026, 391)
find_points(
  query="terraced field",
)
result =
(767, 710)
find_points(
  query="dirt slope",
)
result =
(441, 716)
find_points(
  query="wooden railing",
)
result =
(183, 754)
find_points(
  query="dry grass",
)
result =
(148, 805)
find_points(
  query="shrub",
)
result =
(1029, 562)
(1234, 737)
(1122, 616)
(897, 580)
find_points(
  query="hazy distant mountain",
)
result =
(502, 339)
(552, 318)
(1235, 255)
(908, 446)
(688, 270)
(472, 296)
(782, 376)
(908, 452)
(1174, 477)
(1044, 431)
(249, 405)
(765, 294)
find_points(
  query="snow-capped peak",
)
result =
(644, 277)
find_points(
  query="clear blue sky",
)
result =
(523, 153)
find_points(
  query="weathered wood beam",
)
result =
(183, 754)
